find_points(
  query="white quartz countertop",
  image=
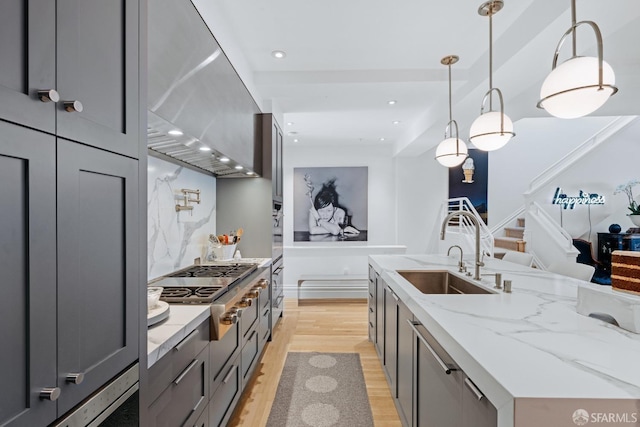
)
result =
(183, 319)
(530, 343)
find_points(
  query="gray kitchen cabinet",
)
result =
(226, 397)
(477, 411)
(272, 149)
(97, 220)
(379, 307)
(438, 384)
(371, 299)
(405, 364)
(86, 51)
(97, 65)
(391, 339)
(186, 398)
(28, 265)
(28, 52)
(223, 353)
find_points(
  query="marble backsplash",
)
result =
(174, 239)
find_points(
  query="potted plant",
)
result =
(633, 205)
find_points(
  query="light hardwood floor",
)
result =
(333, 326)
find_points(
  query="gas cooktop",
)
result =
(201, 284)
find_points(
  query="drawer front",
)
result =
(249, 317)
(185, 398)
(265, 298)
(249, 356)
(277, 307)
(263, 327)
(203, 421)
(223, 352)
(167, 369)
(226, 396)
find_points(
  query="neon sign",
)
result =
(583, 199)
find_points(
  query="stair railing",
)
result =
(549, 174)
(546, 239)
(499, 228)
(463, 228)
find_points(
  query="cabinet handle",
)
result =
(446, 368)
(50, 393)
(278, 270)
(195, 408)
(72, 106)
(48, 95)
(473, 388)
(75, 378)
(393, 294)
(228, 377)
(186, 371)
(182, 343)
(265, 312)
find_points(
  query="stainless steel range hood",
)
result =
(194, 88)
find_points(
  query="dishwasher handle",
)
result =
(445, 367)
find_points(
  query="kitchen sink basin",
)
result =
(441, 282)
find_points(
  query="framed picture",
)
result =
(330, 204)
(470, 180)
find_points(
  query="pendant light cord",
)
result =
(573, 25)
(490, 60)
(450, 114)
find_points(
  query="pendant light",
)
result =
(580, 85)
(452, 151)
(491, 130)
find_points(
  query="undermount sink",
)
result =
(441, 282)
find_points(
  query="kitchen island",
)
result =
(529, 352)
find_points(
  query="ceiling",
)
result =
(346, 60)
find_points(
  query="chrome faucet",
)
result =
(473, 219)
(461, 267)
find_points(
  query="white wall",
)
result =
(340, 258)
(538, 144)
(174, 239)
(382, 211)
(612, 163)
(421, 188)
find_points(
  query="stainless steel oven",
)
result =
(115, 404)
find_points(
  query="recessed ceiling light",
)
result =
(250, 173)
(224, 159)
(175, 132)
(292, 133)
(238, 167)
(205, 149)
(381, 139)
(289, 123)
(295, 140)
(392, 102)
(278, 54)
(396, 122)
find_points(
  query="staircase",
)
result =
(513, 240)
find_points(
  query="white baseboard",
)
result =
(310, 290)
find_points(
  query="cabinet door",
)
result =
(27, 49)
(477, 411)
(405, 365)
(379, 317)
(391, 338)
(97, 64)
(28, 266)
(98, 284)
(438, 394)
(277, 161)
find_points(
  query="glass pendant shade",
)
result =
(488, 133)
(572, 89)
(450, 154)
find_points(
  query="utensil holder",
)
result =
(224, 253)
